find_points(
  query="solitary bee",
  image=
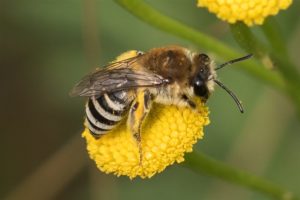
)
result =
(169, 75)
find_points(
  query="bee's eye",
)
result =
(203, 57)
(200, 88)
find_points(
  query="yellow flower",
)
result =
(249, 11)
(167, 133)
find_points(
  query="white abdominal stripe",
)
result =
(113, 104)
(103, 113)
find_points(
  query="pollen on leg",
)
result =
(137, 137)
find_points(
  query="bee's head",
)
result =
(202, 82)
(205, 77)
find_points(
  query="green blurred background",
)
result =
(47, 46)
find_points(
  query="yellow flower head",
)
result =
(167, 133)
(250, 12)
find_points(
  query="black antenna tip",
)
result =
(234, 97)
(234, 61)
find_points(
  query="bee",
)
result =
(170, 75)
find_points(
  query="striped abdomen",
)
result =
(103, 113)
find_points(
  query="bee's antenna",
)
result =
(237, 101)
(234, 61)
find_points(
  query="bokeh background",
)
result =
(47, 46)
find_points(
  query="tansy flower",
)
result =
(167, 133)
(250, 12)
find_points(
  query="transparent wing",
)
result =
(115, 77)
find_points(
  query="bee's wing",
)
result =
(115, 77)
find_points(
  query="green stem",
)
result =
(292, 77)
(151, 16)
(245, 38)
(278, 56)
(273, 35)
(273, 32)
(201, 163)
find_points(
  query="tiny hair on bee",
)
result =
(127, 88)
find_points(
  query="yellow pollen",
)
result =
(249, 12)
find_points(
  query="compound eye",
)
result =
(200, 88)
(203, 58)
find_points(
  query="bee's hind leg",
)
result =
(138, 112)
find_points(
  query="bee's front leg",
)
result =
(138, 111)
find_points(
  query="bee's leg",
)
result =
(189, 102)
(138, 111)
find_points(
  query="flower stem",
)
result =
(151, 16)
(273, 32)
(245, 38)
(273, 35)
(276, 56)
(201, 163)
